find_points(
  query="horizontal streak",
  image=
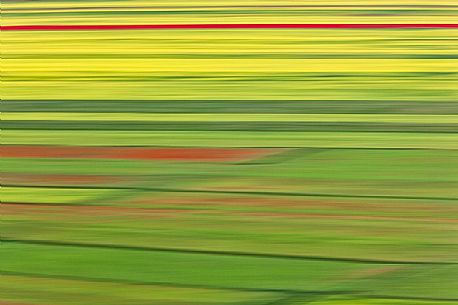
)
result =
(180, 285)
(327, 6)
(138, 153)
(232, 139)
(229, 117)
(234, 106)
(74, 27)
(286, 55)
(232, 126)
(220, 252)
(210, 191)
(171, 284)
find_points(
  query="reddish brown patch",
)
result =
(264, 201)
(373, 272)
(99, 211)
(37, 179)
(13, 303)
(138, 212)
(136, 153)
(341, 216)
(310, 208)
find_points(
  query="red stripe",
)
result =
(221, 26)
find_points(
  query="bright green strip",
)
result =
(233, 139)
(228, 117)
(50, 195)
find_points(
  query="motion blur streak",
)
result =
(236, 152)
(220, 26)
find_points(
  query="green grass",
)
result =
(53, 291)
(226, 272)
(230, 126)
(437, 282)
(313, 226)
(217, 211)
(178, 268)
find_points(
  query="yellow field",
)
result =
(230, 64)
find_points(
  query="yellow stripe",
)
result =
(229, 117)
